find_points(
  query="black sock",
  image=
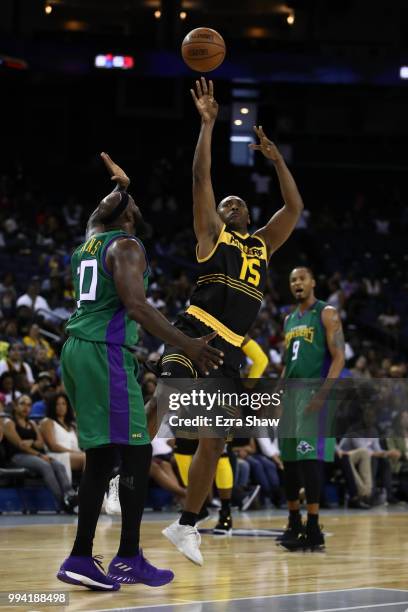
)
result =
(133, 482)
(203, 508)
(313, 520)
(98, 469)
(226, 506)
(188, 518)
(295, 518)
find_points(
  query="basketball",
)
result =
(203, 49)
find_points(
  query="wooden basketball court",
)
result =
(364, 567)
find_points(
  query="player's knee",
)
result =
(212, 448)
(135, 459)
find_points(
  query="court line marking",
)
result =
(201, 601)
(389, 589)
(381, 605)
(267, 553)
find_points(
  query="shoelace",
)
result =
(98, 560)
(192, 531)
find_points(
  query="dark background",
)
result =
(328, 91)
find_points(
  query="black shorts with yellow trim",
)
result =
(176, 364)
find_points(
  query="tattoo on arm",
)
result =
(338, 339)
(336, 332)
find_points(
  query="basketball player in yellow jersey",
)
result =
(229, 291)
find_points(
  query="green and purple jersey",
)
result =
(100, 315)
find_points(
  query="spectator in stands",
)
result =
(11, 332)
(33, 300)
(372, 286)
(155, 297)
(356, 467)
(41, 389)
(14, 362)
(72, 213)
(360, 369)
(389, 320)
(349, 285)
(59, 433)
(336, 297)
(34, 339)
(22, 383)
(7, 285)
(269, 452)
(161, 469)
(263, 471)
(8, 390)
(366, 437)
(398, 449)
(7, 304)
(25, 446)
(148, 386)
(40, 362)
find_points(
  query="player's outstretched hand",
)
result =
(266, 146)
(116, 173)
(205, 357)
(204, 100)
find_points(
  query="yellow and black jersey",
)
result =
(230, 285)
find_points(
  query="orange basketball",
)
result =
(203, 49)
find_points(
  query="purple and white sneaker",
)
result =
(133, 570)
(87, 572)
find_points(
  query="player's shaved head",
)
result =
(110, 203)
(128, 220)
(230, 198)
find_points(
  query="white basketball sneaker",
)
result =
(186, 539)
(112, 505)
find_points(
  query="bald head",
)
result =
(103, 218)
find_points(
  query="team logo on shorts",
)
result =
(304, 447)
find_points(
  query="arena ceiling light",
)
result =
(404, 72)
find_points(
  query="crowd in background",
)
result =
(355, 249)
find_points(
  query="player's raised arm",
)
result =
(281, 225)
(207, 223)
(126, 260)
(116, 173)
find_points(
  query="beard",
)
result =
(301, 297)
